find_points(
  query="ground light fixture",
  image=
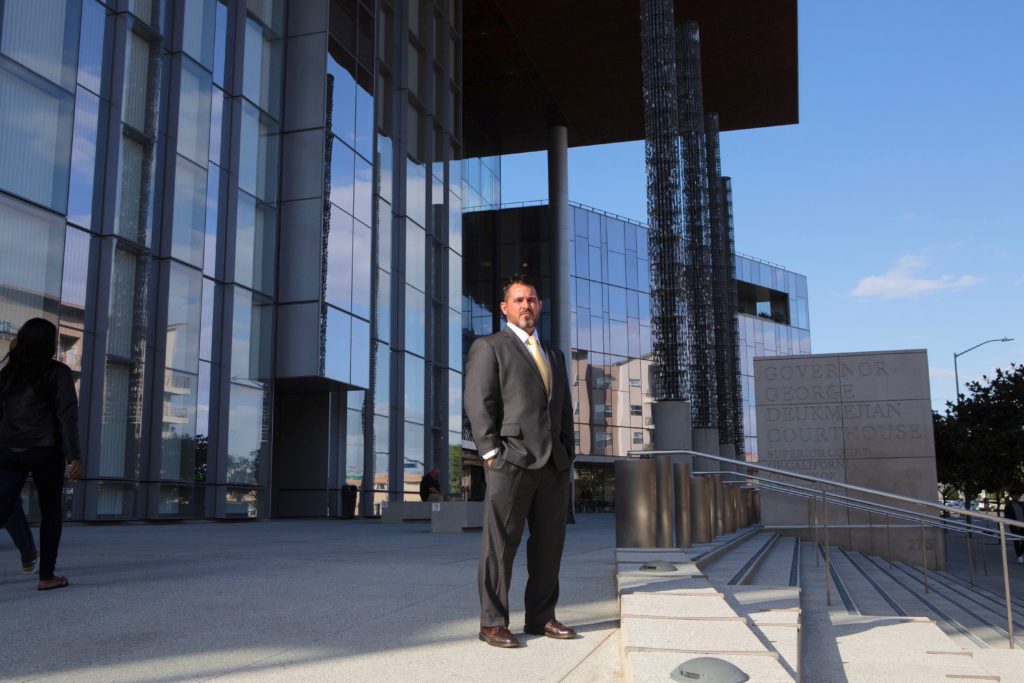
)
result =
(710, 670)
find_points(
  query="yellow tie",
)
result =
(542, 365)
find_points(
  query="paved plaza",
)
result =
(294, 600)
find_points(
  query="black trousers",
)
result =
(46, 464)
(518, 498)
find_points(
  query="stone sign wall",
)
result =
(862, 419)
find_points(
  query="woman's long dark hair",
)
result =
(30, 354)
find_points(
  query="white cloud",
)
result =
(903, 281)
(1020, 281)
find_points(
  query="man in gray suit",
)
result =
(518, 403)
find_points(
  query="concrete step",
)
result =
(778, 566)
(965, 626)
(670, 616)
(723, 568)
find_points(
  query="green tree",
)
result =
(979, 442)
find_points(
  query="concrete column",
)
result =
(664, 503)
(729, 509)
(559, 297)
(705, 440)
(684, 530)
(672, 428)
(635, 496)
(719, 505)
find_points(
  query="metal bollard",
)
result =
(684, 528)
(729, 517)
(703, 523)
(635, 494)
(664, 504)
(719, 504)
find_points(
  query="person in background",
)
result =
(19, 531)
(430, 486)
(1014, 509)
(38, 435)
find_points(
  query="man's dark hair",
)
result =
(518, 279)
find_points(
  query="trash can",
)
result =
(348, 501)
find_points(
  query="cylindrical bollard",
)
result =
(744, 507)
(635, 494)
(664, 506)
(719, 505)
(751, 507)
(757, 505)
(729, 516)
(684, 531)
(701, 492)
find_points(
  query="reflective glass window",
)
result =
(416, 192)
(616, 269)
(194, 105)
(617, 303)
(454, 339)
(339, 260)
(217, 127)
(250, 336)
(360, 353)
(415, 256)
(198, 29)
(220, 43)
(338, 345)
(86, 158)
(340, 69)
(412, 460)
(382, 385)
(354, 444)
(455, 402)
(364, 122)
(385, 165)
(248, 430)
(184, 316)
(632, 270)
(258, 155)
(362, 269)
(342, 175)
(188, 231)
(261, 78)
(383, 306)
(91, 49)
(454, 279)
(134, 189)
(35, 137)
(384, 228)
(363, 186)
(415, 320)
(206, 321)
(254, 244)
(212, 221)
(414, 388)
(31, 256)
(74, 284)
(43, 36)
(455, 222)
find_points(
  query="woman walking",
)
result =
(38, 433)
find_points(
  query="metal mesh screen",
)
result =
(733, 333)
(720, 259)
(700, 335)
(665, 234)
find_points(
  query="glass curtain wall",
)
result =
(773, 321)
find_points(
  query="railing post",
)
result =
(924, 557)
(888, 539)
(970, 553)
(814, 504)
(828, 583)
(1006, 583)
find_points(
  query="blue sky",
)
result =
(900, 194)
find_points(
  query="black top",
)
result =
(427, 484)
(43, 413)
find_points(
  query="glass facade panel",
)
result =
(362, 270)
(91, 46)
(261, 79)
(415, 321)
(414, 386)
(412, 461)
(338, 346)
(188, 231)
(254, 244)
(258, 155)
(194, 104)
(86, 158)
(198, 30)
(36, 136)
(43, 35)
(31, 256)
(248, 431)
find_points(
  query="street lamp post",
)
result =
(956, 373)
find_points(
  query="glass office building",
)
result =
(245, 218)
(611, 314)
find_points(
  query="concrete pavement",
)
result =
(310, 600)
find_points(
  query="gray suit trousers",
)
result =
(517, 497)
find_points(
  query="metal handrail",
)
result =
(1002, 522)
(871, 506)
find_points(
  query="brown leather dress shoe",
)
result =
(498, 636)
(552, 629)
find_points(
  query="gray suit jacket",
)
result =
(508, 407)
